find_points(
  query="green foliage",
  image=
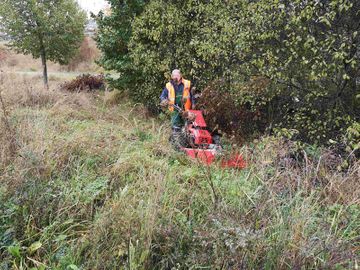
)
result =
(56, 25)
(113, 36)
(312, 58)
(22, 256)
(308, 51)
(52, 30)
(160, 42)
(352, 138)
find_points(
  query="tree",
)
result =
(308, 50)
(294, 64)
(47, 29)
(114, 33)
(159, 43)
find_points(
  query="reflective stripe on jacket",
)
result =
(186, 95)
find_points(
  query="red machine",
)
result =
(199, 143)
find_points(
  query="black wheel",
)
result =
(217, 139)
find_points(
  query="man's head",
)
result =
(176, 76)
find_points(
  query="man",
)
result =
(177, 92)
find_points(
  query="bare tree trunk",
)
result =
(44, 65)
(45, 74)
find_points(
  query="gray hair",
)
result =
(175, 72)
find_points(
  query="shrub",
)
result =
(352, 139)
(307, 51)
(113, 36)
(85, 82)
(230, 114)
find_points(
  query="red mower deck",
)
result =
(202, 147)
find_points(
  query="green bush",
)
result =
(307, 50)
(114, 33)
(352, 139)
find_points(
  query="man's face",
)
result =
(176, 78)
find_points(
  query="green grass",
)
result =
(98, 187)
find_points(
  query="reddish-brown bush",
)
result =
(224, 114)
(88, 53)
(85, 82)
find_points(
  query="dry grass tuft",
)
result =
(113, 98)
(75, 105)
(4, 54)
(27, 91)
(7, 134)
(293, 169)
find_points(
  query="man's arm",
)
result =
(164, 94)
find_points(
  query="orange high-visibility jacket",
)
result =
(186, 95)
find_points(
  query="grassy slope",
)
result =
(25, 65)
(97, 186)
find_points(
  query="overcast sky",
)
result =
(92, 5)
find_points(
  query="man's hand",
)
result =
(189, 116)
(164, 103)
(184, 100)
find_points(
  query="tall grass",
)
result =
(94, 185)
